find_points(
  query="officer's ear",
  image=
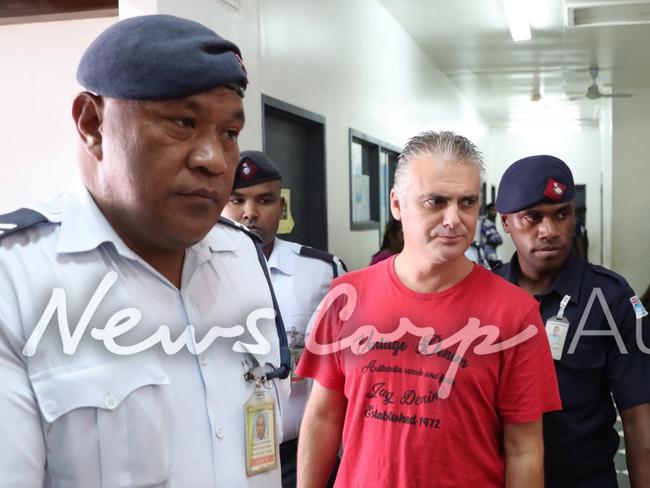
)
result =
(505, 223)
(87, 112)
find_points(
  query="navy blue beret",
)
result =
(155, 57)
(534, 180)
(254, 168)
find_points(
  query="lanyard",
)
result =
(563, 304)
(284, 369)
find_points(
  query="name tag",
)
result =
(556, 331)
(296, 341)
(261, 446)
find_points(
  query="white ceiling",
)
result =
(469, 40)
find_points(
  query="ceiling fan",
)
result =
(594, 93)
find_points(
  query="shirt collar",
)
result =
(83, 225)
(511, 270)
(282, 257)
(567, 282)
(220, 241)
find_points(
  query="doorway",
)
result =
(295, 139)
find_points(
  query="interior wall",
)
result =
(581, 151)
(630, 188)
(37, 134)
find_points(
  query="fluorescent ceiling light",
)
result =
(517, 19)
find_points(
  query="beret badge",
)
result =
(247, 170)
(554, 190)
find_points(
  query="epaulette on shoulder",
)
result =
(236, 225)
(611, 274)
(18, 220)
(312, 252)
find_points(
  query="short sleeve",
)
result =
(528, 383)
(628, 373)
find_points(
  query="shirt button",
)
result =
(110, 402)
(204, 361)
(218, 432)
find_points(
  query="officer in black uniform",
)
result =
(592, 317)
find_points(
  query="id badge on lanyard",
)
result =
(556, 330)
(260, 422)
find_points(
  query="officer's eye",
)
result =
(532, 218)
(185, 122)
(236, 201)
(231, 134)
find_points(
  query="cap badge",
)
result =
(247, 170)
(554, 189)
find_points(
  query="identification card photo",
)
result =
(261, 447)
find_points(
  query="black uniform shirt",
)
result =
(580, 441)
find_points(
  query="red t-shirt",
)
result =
(402, 429)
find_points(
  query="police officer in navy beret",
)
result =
(594, 322)
(132, 347)
(301, 277)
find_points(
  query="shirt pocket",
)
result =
(590, 353)
(581, 375)
(106, 425)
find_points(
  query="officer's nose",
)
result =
(209, 156)
(451, 217)
(250, 212)
(548, 229)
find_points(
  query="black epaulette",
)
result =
(236, 225)
(18, 220)
(330, 259)
(311, 252)
(611, 274)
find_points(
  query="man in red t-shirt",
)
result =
(434, 371)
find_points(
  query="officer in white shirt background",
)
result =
(301, 277)
(139, 334)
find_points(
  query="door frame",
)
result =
(317, 119)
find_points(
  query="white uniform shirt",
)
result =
(94, 419)
(300, 283)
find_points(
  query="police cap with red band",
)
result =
(254, 168)
(534, 180)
